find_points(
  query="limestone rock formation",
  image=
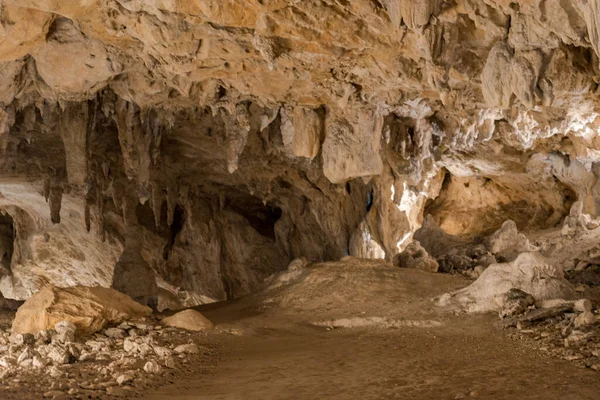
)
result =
(200, 146)
(89, 309)
(530, 273)
(415, 256)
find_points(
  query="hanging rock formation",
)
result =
(204, 145)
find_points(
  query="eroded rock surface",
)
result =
(88, 309)
(202, 146)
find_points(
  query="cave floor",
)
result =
(276, 345)
(467, 358)
(279, 354)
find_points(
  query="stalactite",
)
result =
(170, 204)
(46, 189)
(55, 200)
(7, 119)
(156, 203)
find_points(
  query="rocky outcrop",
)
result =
(205, 145)
(530, 273)
(89, 309)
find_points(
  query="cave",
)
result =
(299, 199)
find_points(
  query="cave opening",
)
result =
(7, 240)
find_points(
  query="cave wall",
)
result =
(202, 145)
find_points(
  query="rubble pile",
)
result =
(118, 361)
(564, 329)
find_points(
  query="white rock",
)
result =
(39, 362)
(54, 372)
(584, 319)
(187, 349)
(115, 333)
(21, 339)
(162, 351)
(125, 378)
(130, 346)
(145, 349)
(8, 361)
(26, 354)
(44, 336)
(152, 368)
(529, 272)
(59, 355)
(65, 326)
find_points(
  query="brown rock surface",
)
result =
(89, 308)
(203, 145)
(190, 320)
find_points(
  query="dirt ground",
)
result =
(465, 359)
(280, 354)
(397, 344)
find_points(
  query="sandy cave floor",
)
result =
(263, 351)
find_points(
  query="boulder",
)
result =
(90, 309)
(516, 302)
(507, 243)
(530, 272)
(415, 256)
(190, 320)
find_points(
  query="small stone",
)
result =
(152, 368)
(26, 354)
(7, 361)
(21, 339)
(582, 305)
(44, 337)
(130, 346)
(170, 363)
(39, 362)
(162, 351)
(134, 333)
(86, 356)
(54, 372)
(573, 357)
(59, 355)
(124, 325)
(63, 337)
(73, 391)
(52, 393)
(516, 302)
(132, 363)
(187, 349)
(115, 333)
(125, 378)
(595, 367)
(584, 319)
(65, 326)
